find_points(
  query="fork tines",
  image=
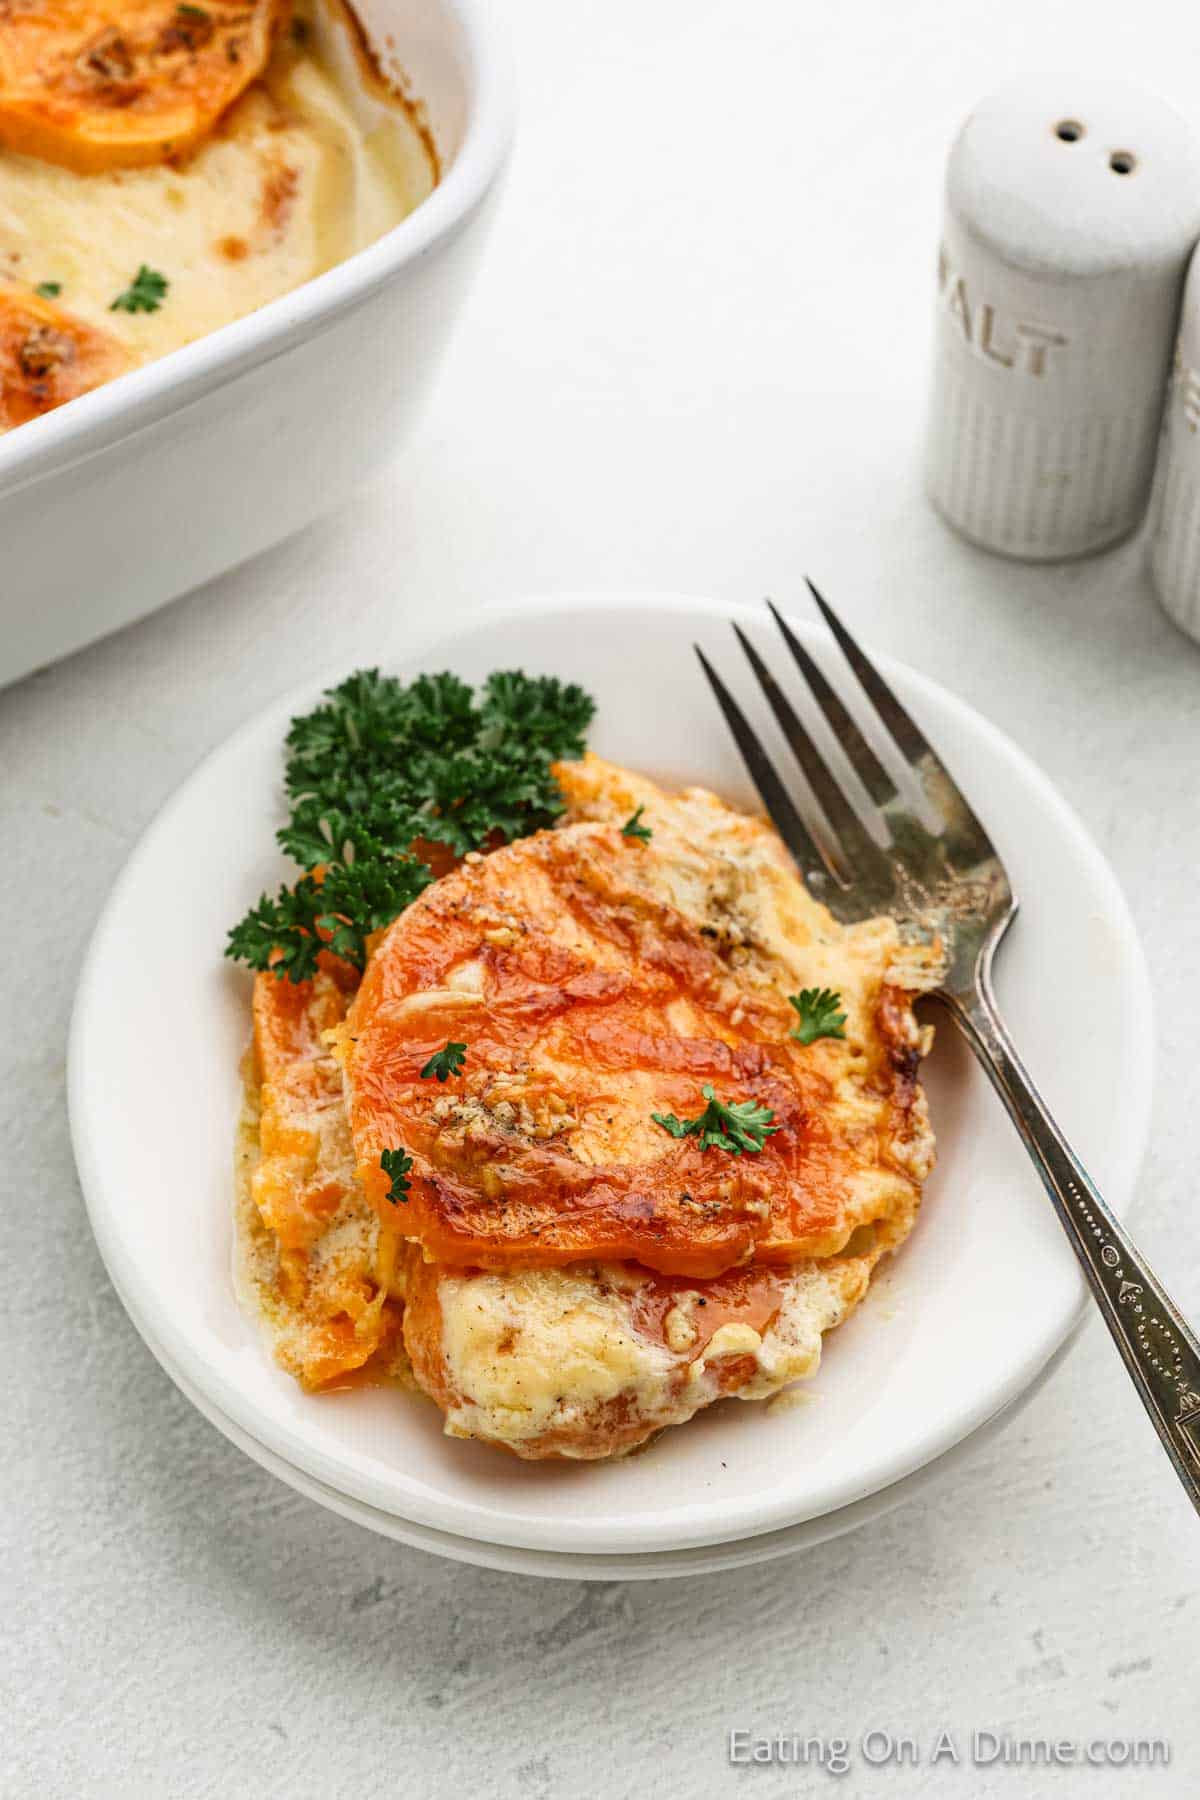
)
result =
(822, 827)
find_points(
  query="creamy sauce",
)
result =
(542, 1349)
(298, 176)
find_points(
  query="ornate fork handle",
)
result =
(951, 884)
(1159, 1350)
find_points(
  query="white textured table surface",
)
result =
(695, 359)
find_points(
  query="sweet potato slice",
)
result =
(601, 986)
(47, 356)
(320, 1269)
(110, 84)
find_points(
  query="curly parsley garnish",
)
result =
(396, 1165)
(819, 1015)
(281, 934)
(429, 760)
(145, 293)
(633, 827)
(381, 771)
(338, 913)
(48, 290)
(444, 1063)
(744, 1125)
(365, 896)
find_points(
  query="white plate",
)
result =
(954, 1329)
(653, 1565)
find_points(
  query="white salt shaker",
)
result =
(1175, 537)
(1072, 206)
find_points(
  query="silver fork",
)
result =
(948, 884)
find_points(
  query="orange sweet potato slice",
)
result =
(111, 84)
(47, 356)
(591, 1007)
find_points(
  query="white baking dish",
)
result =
(130, 495)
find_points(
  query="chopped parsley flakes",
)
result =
(396, 1165)
(743, 1125)
(145, 293)
(444, 1063)
(819, 1015)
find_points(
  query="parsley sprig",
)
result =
(382, 769)
(633, 827)
(819, 1015)
(743, 1125)
(396, 1165)
(282, 933)
(145, 293)
(338, 913)
(428, 760)
(444, 1063)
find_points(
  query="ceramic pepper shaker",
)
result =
(1072, 206)
(1175, 538)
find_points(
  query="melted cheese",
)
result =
(555, 1361)
(541, 1350)
(297, 177)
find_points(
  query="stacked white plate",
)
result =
(956, 1330)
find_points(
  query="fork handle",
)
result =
(1160, 1351)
